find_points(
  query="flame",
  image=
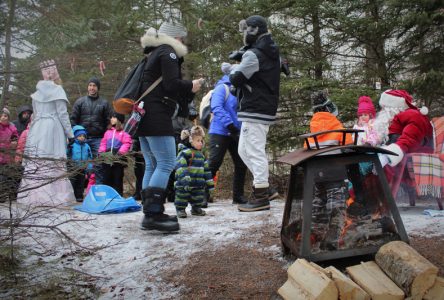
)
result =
(349, 201)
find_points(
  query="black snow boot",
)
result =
(154, 219)
(258, 201)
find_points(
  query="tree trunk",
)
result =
(317, 44)
(7, 61)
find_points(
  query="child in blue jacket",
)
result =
(79, 154)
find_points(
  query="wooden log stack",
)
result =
(398, 272)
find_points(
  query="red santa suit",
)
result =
(410, 131)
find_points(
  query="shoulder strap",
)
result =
(150, 88)
(227, 91)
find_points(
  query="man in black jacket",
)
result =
(92, 112)
(256, 79)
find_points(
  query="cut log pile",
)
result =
(398, 272)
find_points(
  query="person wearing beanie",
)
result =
(8, 137)
(92, 112)
(256, 81)
(24, 113)
(193, 176)
(165, 51)
(366, 117)
(8, 143)
(330, 193)
(114, 146)
(325, 118)
(80, 156)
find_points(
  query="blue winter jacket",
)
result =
(224, 111)
(80, 153)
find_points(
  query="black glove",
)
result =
(237, 54)
(71, 141)
(233, 129)
(233, 90)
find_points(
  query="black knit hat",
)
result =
(95, 80)
(259, 22)
(119, 117)
(320, 102)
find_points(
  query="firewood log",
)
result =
(306, 282)
(372, 279)
(436, 292)
(413, 273)
(348, 289)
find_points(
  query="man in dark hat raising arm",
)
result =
(256, 79)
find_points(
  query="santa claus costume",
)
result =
(405, 129)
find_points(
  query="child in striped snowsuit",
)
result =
(192, 174)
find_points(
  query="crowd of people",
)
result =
(168, 147)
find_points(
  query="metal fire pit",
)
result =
(371, 217)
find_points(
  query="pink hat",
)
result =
(400, 99)
(365, 106)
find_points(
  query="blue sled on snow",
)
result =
(103, 199)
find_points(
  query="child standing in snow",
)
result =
(79, 154)
(366, 117)
(114, 145)
(8, 141)
(192, 174)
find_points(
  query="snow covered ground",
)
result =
(134, 260)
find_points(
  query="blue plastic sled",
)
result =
(103, 199)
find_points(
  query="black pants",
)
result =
(219, 144)
(113, 176)
(10, 176)
(78, 182)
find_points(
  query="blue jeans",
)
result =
(94, 144)
(159, 153)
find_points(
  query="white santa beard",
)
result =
(383, 120)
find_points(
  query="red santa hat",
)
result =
(399, 99)
(365, 106)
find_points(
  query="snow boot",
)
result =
(239, 200)
(272, 193)
(197, 211)
(153, 199)
(258, 201)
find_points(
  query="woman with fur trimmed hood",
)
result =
(165, 51)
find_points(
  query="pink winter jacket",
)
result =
(21, 145)
(8, 134)
(119, 142)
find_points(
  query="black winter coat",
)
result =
(93, 114)
(172, 92)
(258, 78)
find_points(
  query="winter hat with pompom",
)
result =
(365, 106)
(173, 30)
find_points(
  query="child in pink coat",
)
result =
(366, 117)
(115, 144)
